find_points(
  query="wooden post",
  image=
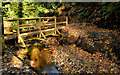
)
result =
(18, 32)
(43, 35)
(39, 26)
(66, 20)
(22, 41)
(55, 25)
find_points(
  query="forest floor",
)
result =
(66, 58)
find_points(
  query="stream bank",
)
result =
(69, 54)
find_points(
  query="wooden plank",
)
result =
(29, 30)
(13, 20)
(50, 22)
(22, 41)
(36, 32)
(18, 32)
(61, 22)
(8, 27)
(48, 27)
(66, 20)
(47, 24)
(61, 27)
(43, 34)
(58, 32)
(20, 26)
(55, 25)
(46, 17)
(25, 19)
(40, 27)
(48, 30)
(50, 33)
(9, 33)
(56, 35)
(26, 27)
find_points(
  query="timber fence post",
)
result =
(55, 25)
(18, 32)
(66, 21)
(40, 27)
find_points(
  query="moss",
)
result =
(39, 57)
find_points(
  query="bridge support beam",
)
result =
(18, 32)
(66, 21)
(39, 26)
(55, 25)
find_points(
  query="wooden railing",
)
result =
(36, 28)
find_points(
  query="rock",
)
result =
(50, 70)
(91, 38)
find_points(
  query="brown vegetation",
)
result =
(40, 58)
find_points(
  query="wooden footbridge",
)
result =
(41, 26)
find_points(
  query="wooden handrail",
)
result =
(25, 25)
(26, 19)
(50, 25)
(61, 22)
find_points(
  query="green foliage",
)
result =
(28, 9)
(40, 47)
(82, 11)
(106, 16)
(112, 7)
(103, 3)
(23, 29)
